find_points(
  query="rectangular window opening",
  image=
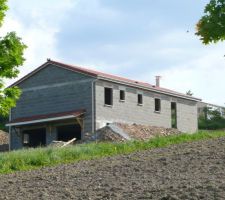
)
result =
(122, 95)
(109, 96)
(157, 105)
(140, 99)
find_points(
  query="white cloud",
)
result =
(139, 53)
(37, 23)
(203, 76)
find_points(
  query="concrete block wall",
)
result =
(187, 116)
(130, 112)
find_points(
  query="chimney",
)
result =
(157, 81)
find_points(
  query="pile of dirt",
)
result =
(119, 132)
(144, 132)
(108, 134)
(4, 141)
(105, 134)
(4, 138)
(193, 170)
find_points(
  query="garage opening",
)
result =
(68, 132)
(34, 137)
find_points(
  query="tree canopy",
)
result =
(189, 93)
(211, 119)
(11, 57)
(211, 27)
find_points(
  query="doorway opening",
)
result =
(34, 137)
(173, 115)
(68, 132)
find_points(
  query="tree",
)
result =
(189, 93)
(211, 119)
(11, 57)
(211, 27)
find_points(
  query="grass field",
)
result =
(34, 158)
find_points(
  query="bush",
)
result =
(211, 124)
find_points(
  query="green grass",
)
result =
(40, 157)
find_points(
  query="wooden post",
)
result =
(80, 121)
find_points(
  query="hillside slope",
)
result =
(187, 171)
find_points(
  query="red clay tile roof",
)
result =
(102, 75)
(47, 116)
(118, 78)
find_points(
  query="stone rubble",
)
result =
(4, 138)
(116, 132)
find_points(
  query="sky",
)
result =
(137, 39)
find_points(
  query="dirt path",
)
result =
(187, 171)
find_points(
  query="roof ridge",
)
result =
(145, 84)
(96, 72)
(110, 77)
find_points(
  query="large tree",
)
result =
(11, 57)
(211, 27)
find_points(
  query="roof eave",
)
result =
(49, 119)
(55, 64)
(149, 89)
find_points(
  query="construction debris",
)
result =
(119, 132)
(104, 134)
(61, 143)
(69, 142)
(144, 132)
(4, 141)
(4, 138)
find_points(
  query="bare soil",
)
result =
(187, 171)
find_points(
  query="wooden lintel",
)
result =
(79, 121)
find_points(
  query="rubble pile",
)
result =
(4, 141)
(119, 132)
(104, 134)
(144, 132)
(4, 138)
(107, 134)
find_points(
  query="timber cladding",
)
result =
(47, 92)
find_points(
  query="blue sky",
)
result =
(137, 39)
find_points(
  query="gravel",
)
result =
(187, 171)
